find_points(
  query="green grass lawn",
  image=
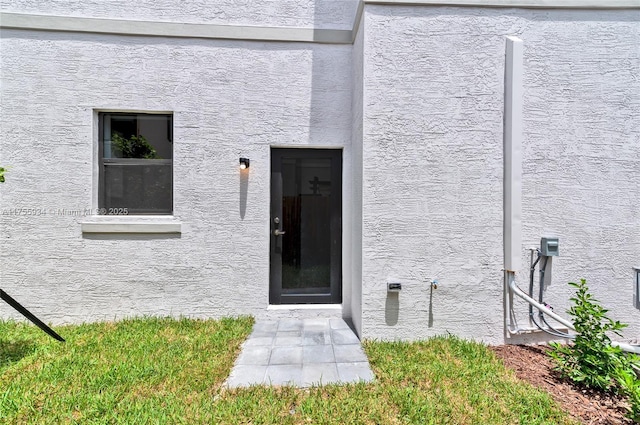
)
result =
(169, 371)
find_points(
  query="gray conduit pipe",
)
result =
(514, 288)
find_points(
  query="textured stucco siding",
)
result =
(581, 167)
(334, 14)
(416, 103)
(432, 184)
(229, 99)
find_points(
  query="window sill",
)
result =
(131, 224)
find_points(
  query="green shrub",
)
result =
(630, 386)
(591, 360)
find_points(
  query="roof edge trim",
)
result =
(529, 4)
(172, 29)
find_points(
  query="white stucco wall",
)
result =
(229, 99)
(581, 168)
(432, 192)
(335, 14)
(417, 104)
(432, 174)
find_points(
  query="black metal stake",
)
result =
(26, 313)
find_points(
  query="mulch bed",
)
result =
(532, 364)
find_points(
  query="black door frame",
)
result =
(275, 253)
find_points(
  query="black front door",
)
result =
(306, 226)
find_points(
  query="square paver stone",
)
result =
(246, 375)
(289, 333)
(286, 356)
(259, 340)
(355, 372)
(284, 375)
(265, 325)
(338, 324)
(349, 353)
(317, 354)
(262, 334)
(266, 328)
(344, 336)
(319, 374)
(316, 338)
(316, 324)
(254, 355)
(289, 325)
(288, 340)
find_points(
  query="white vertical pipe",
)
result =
(512, 166)
(512, 154)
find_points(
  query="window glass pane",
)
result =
(306, 219)
(136, 167)
(141, 189)
(147, 136)
(157, 130)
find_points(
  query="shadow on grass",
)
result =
(14, 351)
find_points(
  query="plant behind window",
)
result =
(133, 147)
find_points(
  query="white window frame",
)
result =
(170, 225)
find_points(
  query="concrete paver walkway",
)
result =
(300, 353)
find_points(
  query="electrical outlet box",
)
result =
(549, 247)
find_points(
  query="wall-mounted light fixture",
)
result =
(244, 163)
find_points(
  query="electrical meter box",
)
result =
(549, 247)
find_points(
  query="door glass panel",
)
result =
(306, 220)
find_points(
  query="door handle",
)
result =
(278, 232)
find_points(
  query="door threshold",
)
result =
(289, 307)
